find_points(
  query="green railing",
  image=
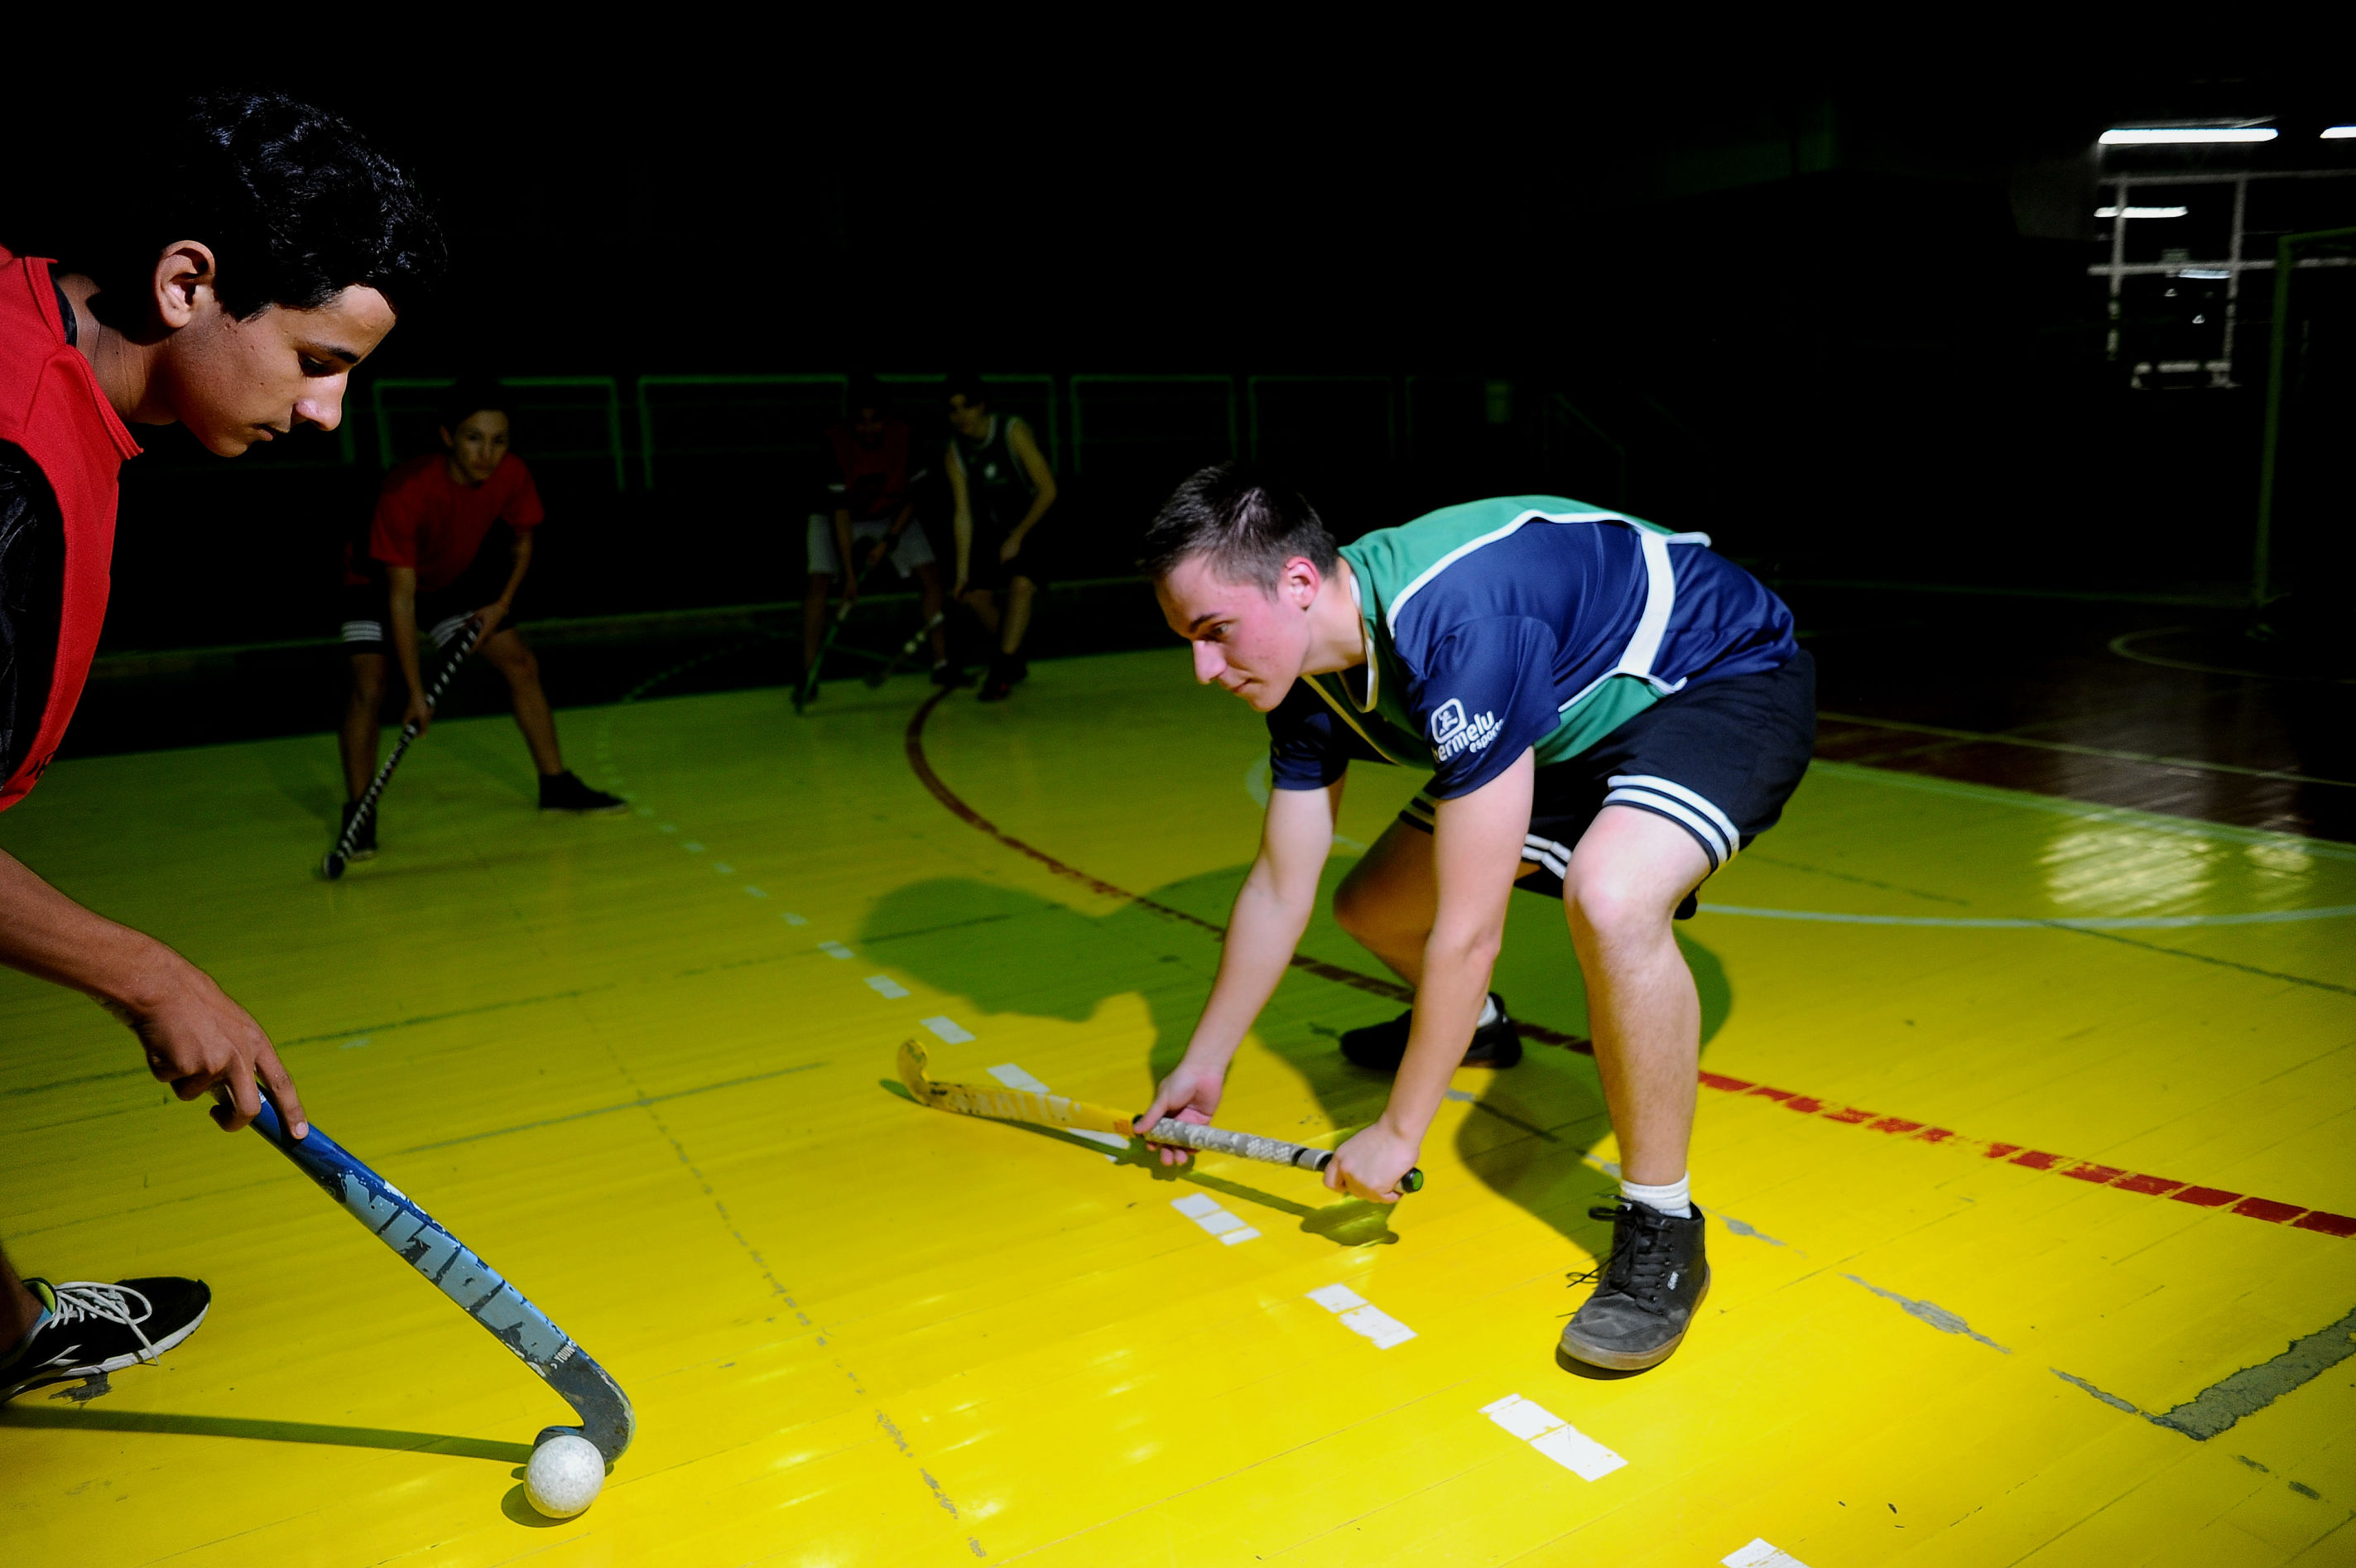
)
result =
(2270, 448)
(388, 454)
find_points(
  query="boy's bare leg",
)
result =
(928, 584)
(363, 708)
(1019, 595)
(1630, 872)
(983, 602)
(1388, 899)
(512, 656)
(18, 1309)
(814, 614)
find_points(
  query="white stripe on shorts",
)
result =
(1718, 844)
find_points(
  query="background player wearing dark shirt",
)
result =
(258, 254)
(1001, 486)
(434, 545)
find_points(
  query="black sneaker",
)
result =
(1494, 1044)
(564, 793)
(94, 1329)
(1645, 1294)
(948, 675)
(363, 842)
(999, 684)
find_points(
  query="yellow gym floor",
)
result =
(2026, 1234)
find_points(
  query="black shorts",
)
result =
(985, 570)
(1718, 760)
(442, 613)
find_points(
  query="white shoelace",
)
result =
(78, 1299)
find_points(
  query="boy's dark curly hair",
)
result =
(295, 206)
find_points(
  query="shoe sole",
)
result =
(1632, 1361)
(111, 1364)
(1499, 1060)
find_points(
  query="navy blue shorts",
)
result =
(1718, 759)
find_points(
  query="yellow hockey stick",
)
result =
(1001, 1104)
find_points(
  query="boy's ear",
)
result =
(447, 439)
(182, 280)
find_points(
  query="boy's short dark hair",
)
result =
(867, 392)
(966, 384)
(295, 206)
(472, 396)
(1247, 524)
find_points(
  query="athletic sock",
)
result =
(1488, 1013)
(1675, 1199)
(47, 1299)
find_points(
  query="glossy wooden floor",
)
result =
(2026, 1150)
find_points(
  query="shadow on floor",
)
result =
(1009, 951)
(178, 1426)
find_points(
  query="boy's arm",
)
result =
(492, 614)
(1271, 910)
(194, 1035)
(401, 616)
(1476, 850)
(1043, 482)
(961, 522)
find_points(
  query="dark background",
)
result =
(1841, 321)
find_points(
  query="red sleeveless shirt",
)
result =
(50, 405)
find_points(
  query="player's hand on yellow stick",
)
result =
(417, 712)
(490, 618)
(1191, 1094)
(1371, 1164)
(198, 1039)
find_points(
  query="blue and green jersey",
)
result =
(1523, 622)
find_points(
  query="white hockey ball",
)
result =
(564, 1476)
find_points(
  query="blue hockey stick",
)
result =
(498, 1306)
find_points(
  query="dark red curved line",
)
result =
(2264, 1208)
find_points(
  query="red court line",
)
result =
(2275, 1213)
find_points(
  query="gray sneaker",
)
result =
(1646, 1293)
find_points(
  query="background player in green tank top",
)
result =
(1002, 486)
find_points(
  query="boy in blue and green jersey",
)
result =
(1609, 712)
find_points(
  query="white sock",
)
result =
(1674, 1200)
(1488, 1013)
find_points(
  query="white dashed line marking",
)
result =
(834, 950)
(791, 918)
(883, 985)
(1555, 1437)
(724, 868)
(1759, 1554)
(1361, 1316)
(1203, 1210)
(693, 847)
(948, 1029)
(753, 892)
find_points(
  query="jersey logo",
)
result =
(1452, 734)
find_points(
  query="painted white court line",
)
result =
(2119, 923)
(753, 892)
(791, 918)
(693, 847)
(1013, 1077)
(834, 950)
(1361, 1316)
(1759, 1554)
(886, 987)
(723, 867)
(1554, 1437)
(1204, 1211)
(947, 1028)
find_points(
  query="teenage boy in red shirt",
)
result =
(449, 545)
(264, 251)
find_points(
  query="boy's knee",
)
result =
(1614, 903)
(367, 685)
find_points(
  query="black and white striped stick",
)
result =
(332, 866)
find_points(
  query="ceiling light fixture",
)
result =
(2186, 135)
(2140, 212)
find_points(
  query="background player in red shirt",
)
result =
(870, 512)
(450, 543)
(259, 253)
